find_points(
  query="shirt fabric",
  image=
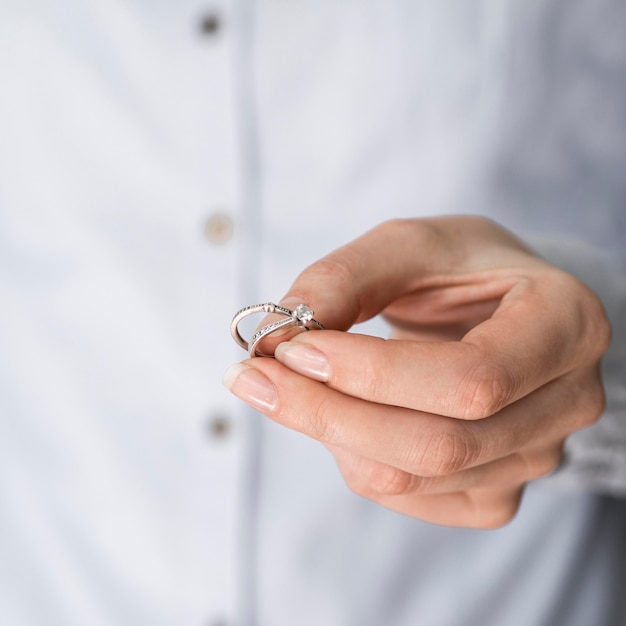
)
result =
(163, 164)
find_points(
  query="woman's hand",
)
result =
(493, 362)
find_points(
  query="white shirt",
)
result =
(135, 489)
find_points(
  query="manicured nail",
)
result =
(304, 359)
(249, 385)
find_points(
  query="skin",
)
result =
(493, 362)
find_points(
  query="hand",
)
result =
(493, 362)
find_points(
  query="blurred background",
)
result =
(165, 163)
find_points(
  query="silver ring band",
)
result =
(300, 317)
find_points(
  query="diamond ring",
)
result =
(300, 317)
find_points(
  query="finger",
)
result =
(420, 443)
(484, 509)
(435, 500)
(497, 363)
(372, 479)
(357, 281)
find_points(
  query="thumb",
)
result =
(359, 280)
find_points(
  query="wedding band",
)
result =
(300, 317)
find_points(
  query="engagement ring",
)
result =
(300, 317)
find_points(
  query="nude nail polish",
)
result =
(251, 386)
(304, 359)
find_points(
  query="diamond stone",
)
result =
(303, 313)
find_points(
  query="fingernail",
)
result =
(249, 385)
(304, 359)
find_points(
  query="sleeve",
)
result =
(595, 457)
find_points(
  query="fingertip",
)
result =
(231, 374)
(252, 386)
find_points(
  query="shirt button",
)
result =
(218, 228)
(210, 25)
(219, 426)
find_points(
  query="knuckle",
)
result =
(320, 424)
(358, 484)
(500, 513)
(428, 234)
(427, 485)
(487, 389)
(590, 405)
(394, 226)
(390, 481)
(371, 478)
(542, 464)
(338, 267)
(547, 465)
(446, 452)
(378, 480)
(398, 226)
